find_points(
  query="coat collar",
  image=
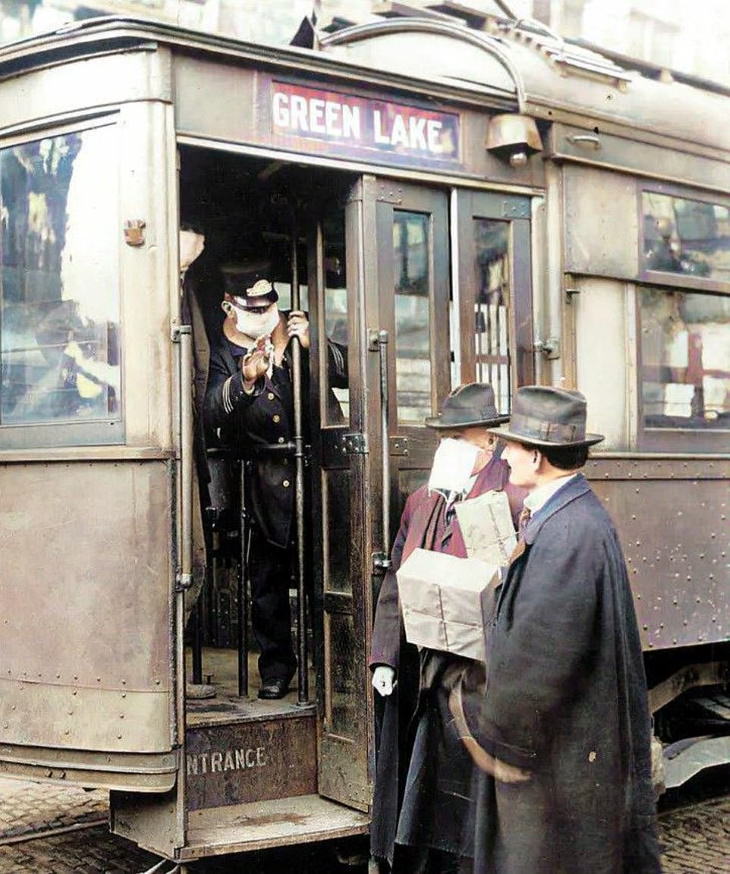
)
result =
(565, 495)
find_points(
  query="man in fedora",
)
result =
(422, 785)
(249, 400)
(565, 717)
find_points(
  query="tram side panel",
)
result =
(85, 673)
(633, 341)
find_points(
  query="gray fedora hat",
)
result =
(548, 417)
(466, 406)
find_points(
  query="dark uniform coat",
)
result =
(566, 700)
(415, 755)
(266, 417)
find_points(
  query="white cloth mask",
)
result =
(452, 465)
(255, 325)
(191, 245)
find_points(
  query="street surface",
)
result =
(694, 832)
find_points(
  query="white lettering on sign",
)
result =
(358, 123)
(328, 117)
(228, 760)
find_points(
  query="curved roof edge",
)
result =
(490, 44)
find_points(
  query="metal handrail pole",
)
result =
(385, 449)
(242, 595)
(296, 355)
(198, 641)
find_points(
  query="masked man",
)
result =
(249, 398)
(422, 786)
(565, 709)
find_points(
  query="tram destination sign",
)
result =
(332, 122)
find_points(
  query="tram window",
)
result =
(335, 307)
(59, 324)
(690, 237)
(412, 316)
(342, 676)
(685, 359)
(491, 306)
(337, 545)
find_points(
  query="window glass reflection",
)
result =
(337, 541)
(685, 357)
(412, 316)
(691, 237)
(335, 305)
(343, 673)
(491, 308)
(59, 323)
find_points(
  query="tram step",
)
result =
(263, 824)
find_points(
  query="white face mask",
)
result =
(452, 465)
(191, 245)
(255, 325)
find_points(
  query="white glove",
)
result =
(383, 680)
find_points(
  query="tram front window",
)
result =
(59, 324)
(685, 359)
(412, 320)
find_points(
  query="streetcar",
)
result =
(448, 204)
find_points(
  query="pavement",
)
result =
(695, 838)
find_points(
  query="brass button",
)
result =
(281, 439)
(277, 418)
(286, 483)
(270, 396)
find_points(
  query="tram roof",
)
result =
(517, 70)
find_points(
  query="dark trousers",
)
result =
(426, 860)
(270, 575)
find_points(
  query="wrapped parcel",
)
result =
(440, 598)
(487, 527)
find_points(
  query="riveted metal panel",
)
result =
(601, 222)
(672, 517)
(85, 646)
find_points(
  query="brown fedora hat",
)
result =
(466, 406)
(549, 417)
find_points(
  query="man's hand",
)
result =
(297, 325)
(256, 363)
(383, 680)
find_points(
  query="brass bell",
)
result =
(513, 137)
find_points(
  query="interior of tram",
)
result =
(249, 210)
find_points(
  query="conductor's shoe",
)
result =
(273, 689)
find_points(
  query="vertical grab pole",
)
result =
(185, 337)
(296, 353)
(242, 611)
(385, 450)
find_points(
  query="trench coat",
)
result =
(566, 700)
(266, 417)
(437, 791)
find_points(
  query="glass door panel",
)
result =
(342, 580)
(495, 308)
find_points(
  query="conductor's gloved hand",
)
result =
(383, 680)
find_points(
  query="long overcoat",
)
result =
(566, 700)
(423, 524)
(266, 418)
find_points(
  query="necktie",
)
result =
(523, 519)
